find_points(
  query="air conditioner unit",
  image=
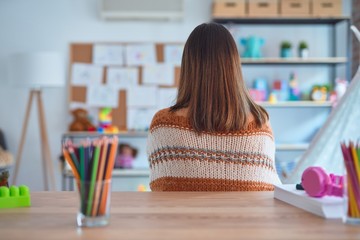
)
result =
(141, 9)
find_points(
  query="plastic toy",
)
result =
(81, 121)
(4, 176)
(141, 188)
(14, 197)
(281, 90)
(105, 121)
(273, 98)
(294, 92)
(319, 93)
(126, 156)
(340, 87)
(260, 85)
(317, 183)
(252, 46)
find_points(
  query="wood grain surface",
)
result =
(172, 215)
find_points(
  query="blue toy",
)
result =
(252, 46)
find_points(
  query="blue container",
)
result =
(285, 53)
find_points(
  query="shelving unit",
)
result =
(333, 62)
(296, 104)
(293, 61)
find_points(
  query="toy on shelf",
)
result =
(281, 90)
(14, 197)
(340, 88)
(285, 49)
(252, 46)
(126, 156)
(259, 92)
(273, 98)
(141, 188)
(319, 93)
(4, 177)
(105, 121)
(294, 91)
(81, 121)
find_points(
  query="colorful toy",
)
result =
(340, 87)
(126, 156)
(14, 197)
(273, 98)
(4, 177)
(294, 91)
(261, 89)
(252, 46)
(319, 93)
(281, 90)
(141, 188)
(317, 183)
(81, 121)
(105, 121)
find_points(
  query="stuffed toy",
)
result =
(6, 158)
(252, 46)
(81, 121)
(126, 156)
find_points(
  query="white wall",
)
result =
(39, 25)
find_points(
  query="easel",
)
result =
(48, 168)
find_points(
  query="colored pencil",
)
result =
(100, 175)
(108, 173)
(95, 162)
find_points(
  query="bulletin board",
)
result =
(83, 53)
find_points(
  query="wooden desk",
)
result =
(232, 215)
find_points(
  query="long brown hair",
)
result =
(211, 84)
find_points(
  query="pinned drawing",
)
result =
(159, 74)
(140, 54)
(105, 54)
(86, 74)
(122, 78)
(173, 54)
(102, 96)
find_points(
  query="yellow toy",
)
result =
(105, 121)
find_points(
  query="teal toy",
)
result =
(252, 46)
(14, 197)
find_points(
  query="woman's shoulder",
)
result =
(165, 117)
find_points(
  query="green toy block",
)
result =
(14, 197)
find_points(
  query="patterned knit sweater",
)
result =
(183, 160)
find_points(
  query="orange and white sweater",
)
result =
(183, 160)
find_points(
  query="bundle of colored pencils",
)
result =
(92, 163)
(351, 154)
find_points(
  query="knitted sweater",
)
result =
(183, 160)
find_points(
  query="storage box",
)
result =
(327, 8)
(229, 8)
(295, 8)
(263, 8)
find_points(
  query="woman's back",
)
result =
(182, 159)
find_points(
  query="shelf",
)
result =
(292, 147)
(289, 104)
(119, 172)
(284, 20)
(293, 61)
(131, 134)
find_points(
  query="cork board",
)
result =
(83, 53)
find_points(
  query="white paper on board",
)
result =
(102, 96)
(107, 54)
(173, 54)
(122, 78)
(166, 97)
(86, 74)
(140, 54)
(139, 118)
(142, 96)
(159, 74)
